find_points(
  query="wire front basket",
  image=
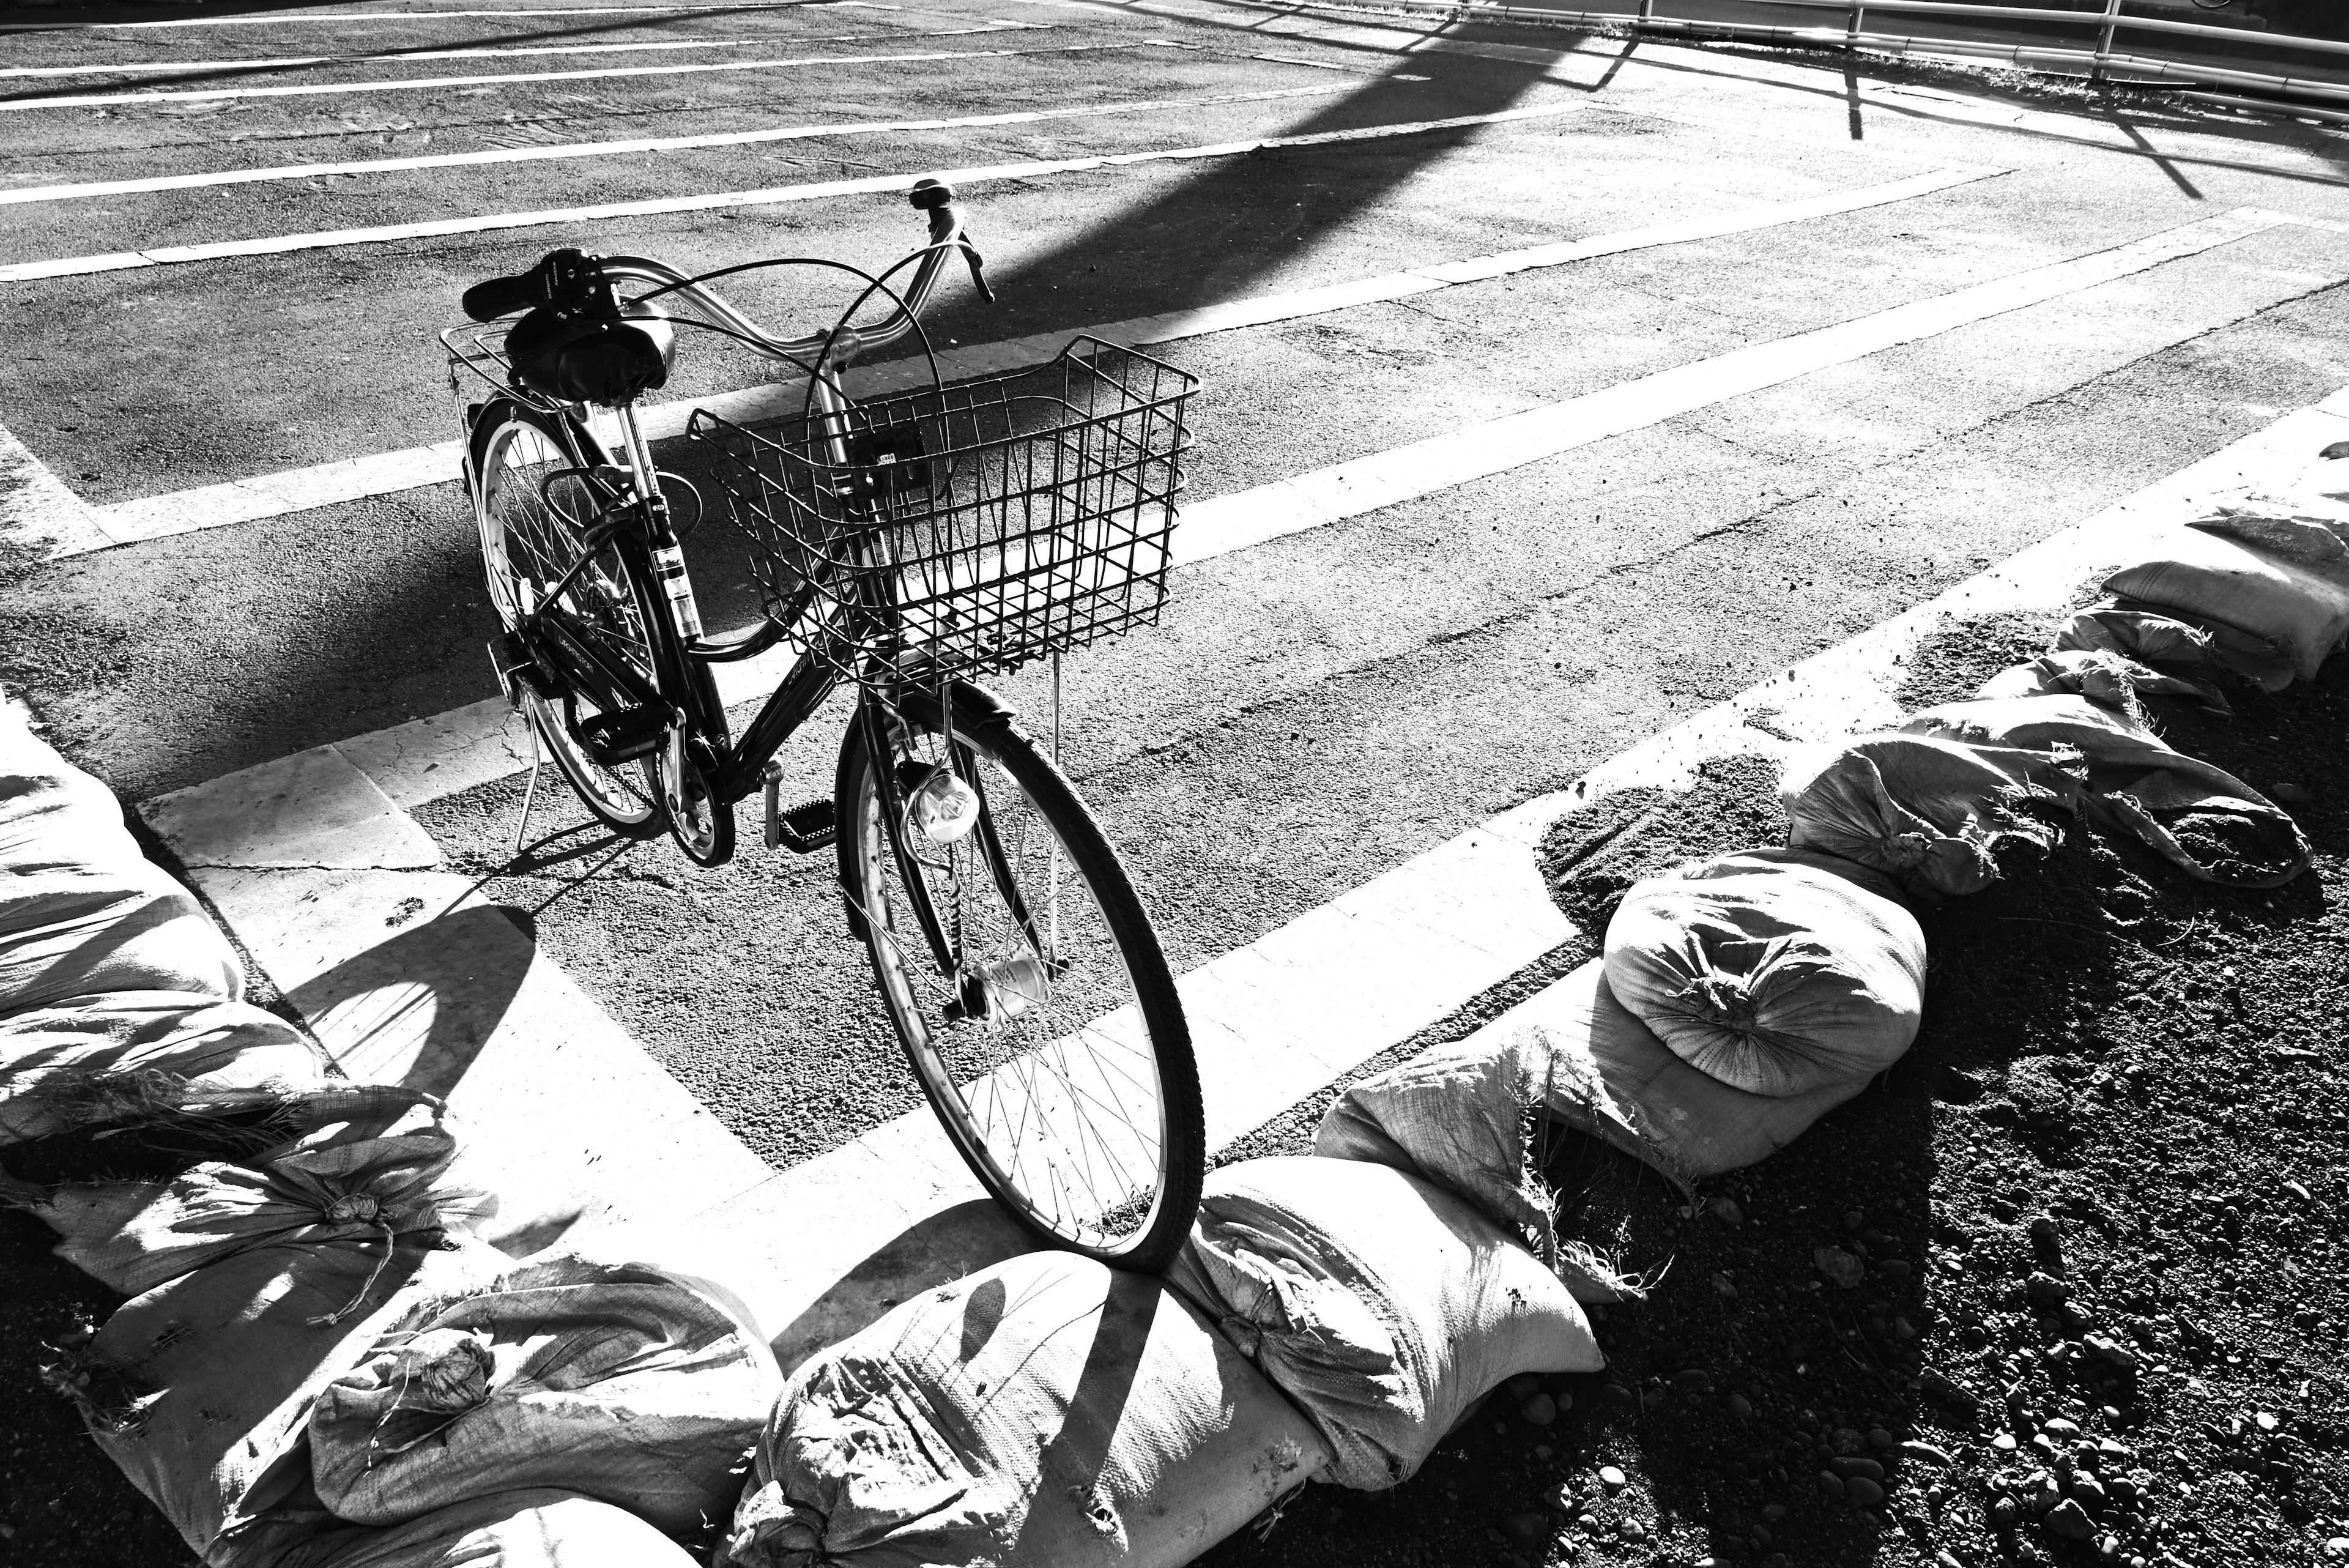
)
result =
(969, 528)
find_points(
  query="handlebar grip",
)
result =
(499, 296)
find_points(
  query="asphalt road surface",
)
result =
(1314, 708)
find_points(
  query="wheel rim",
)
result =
(1052, 1089)
(528, 538)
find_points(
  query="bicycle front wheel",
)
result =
(1027, 986)
(533, 513)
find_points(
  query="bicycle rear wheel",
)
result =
(1027, 986)
(532, 531)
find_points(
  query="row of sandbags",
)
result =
(1329, 1318)
(1740, 998)
(318, 1367)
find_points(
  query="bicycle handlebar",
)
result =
(570, 276)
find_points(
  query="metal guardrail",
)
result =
(2100, 63)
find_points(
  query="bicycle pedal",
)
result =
(613, 739)
(803, 830)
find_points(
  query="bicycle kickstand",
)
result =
(529, 791)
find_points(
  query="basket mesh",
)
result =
(968, 529)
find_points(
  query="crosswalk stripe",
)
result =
(406, 56)
(300, 490)
(174, 255)
(337, 89)
(638, 144)
(1344, 490)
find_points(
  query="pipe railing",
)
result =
(2099, 63)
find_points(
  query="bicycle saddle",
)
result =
(582, 355)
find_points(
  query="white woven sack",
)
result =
(1610, 1077)
(1046, 1412)
(82, 911)
(1773, 979)
(1385, 1307)
(201, 1389)
(2258, 568)
(2135, 782)
(544, 1528)
(1928, 812)
(622, 1381)
(367, 1164)
(128, 1054)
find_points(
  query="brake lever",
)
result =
(977, 265)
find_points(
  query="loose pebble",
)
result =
(1612, 1479)
(1839, 1266)
(2070, 1522)
(1541, 1409)
(1741, 1406)
(1863, 1492)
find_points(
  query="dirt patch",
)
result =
(1593, 858)
(1950, 665)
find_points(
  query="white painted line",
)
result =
(568, 1113)
(404, 56)
(173, 256)
(37, 512)
(395, 18)
(1349, 489)
(412, 84)
(299, 490)
(640, 144)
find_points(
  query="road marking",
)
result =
(1226, 523)
(402, 57)
(640, 144)
(174, 255)
(302, 489)
(393, 18)
(38, 514)
(566, 1112)
(316, 89)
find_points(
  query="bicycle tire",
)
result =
(993, 1091)
(508, 496)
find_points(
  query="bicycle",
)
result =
(904, 544)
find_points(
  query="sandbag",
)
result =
(82, 911)
(1775, 979)
(1455, 1115)
(368, 1163)
(2107, 679)
(621, 1381)
(201, 1388)
(2198, 816)
(1611, 1077)
(89, 931)
(544, 1528)
(2255, 566)
(122, 1057)
(1928, 812)
(1046, 1412)
(2146, 635)
(1383, 1305)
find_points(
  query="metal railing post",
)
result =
(1647, 10)
(1852, 31)
(2105, 40)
